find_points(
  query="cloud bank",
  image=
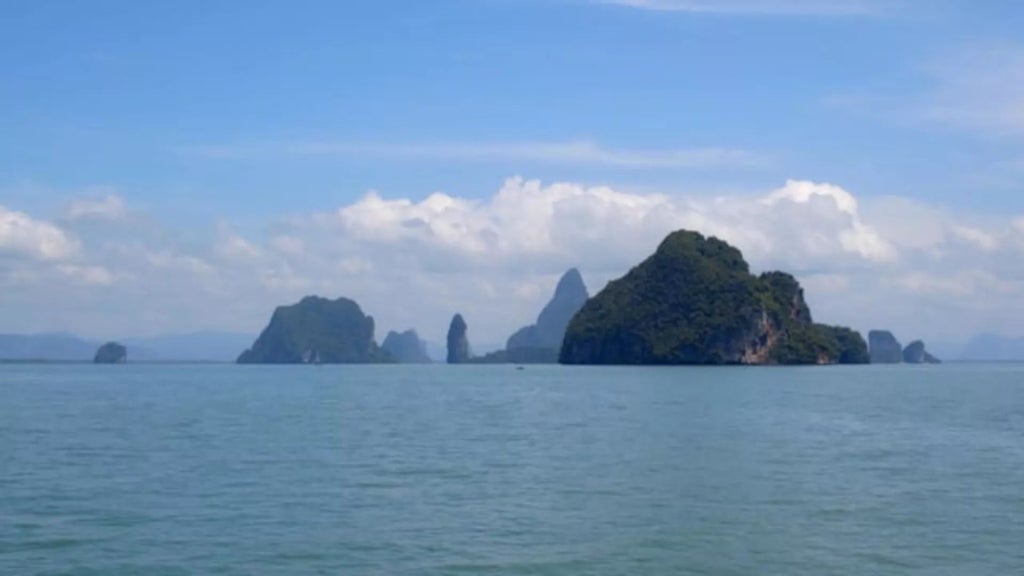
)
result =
(878, 262)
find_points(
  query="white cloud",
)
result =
(108, 207)
(582, 152)
(22, 235)
(87, 275)
(978, 238)
(234, 247)
(869, 262)
(854, 236)
(757, 7)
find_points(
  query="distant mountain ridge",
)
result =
(54, 347)
(993, 348)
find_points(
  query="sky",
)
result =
(188, 166)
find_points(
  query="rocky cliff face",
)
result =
(405, 348)
(111, 353)
(458, 342)
(884, 347)
(915, 353)
(570, 295)
(316, 330)
(694, 301)
(541, 342)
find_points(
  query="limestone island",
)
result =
(316, 331)
(694, 301)
(405, 348)
(915, 353)
(884, 347)
(540, 343)
(458, 342)
(111, 353)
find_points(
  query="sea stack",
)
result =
(458, 343)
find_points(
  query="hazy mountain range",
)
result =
(63, 347)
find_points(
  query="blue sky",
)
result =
(200, 122)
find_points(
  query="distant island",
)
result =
(458, 341)
(111, 353)
(316, 331)
(886, 349)
(540, 342)
(405, 348)
(694, 301)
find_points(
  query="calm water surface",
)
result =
(168, 470)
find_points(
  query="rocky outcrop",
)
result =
(547, 333)
(915, 353)
(884, 347)
(111, 353)
(313, 331)
(405, 348)
(458, 342)
(694, 301)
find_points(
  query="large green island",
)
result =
(316, 331)
(694, 301)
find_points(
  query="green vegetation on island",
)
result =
(111, 353)
(694, 301)
(316, 330)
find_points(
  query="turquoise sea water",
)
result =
(167, 470)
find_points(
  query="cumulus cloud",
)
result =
(22, 235)
(868, 262)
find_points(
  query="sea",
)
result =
(496, 470)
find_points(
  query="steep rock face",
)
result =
(884, 347)
(458, 342)
(316, 330)
(915, 353)
(540, 342)
(111, 353)
(405, 348)
(694, 301)
(570, 295)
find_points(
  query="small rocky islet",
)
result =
(694, 301)
(886, 349)
(111, 353)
